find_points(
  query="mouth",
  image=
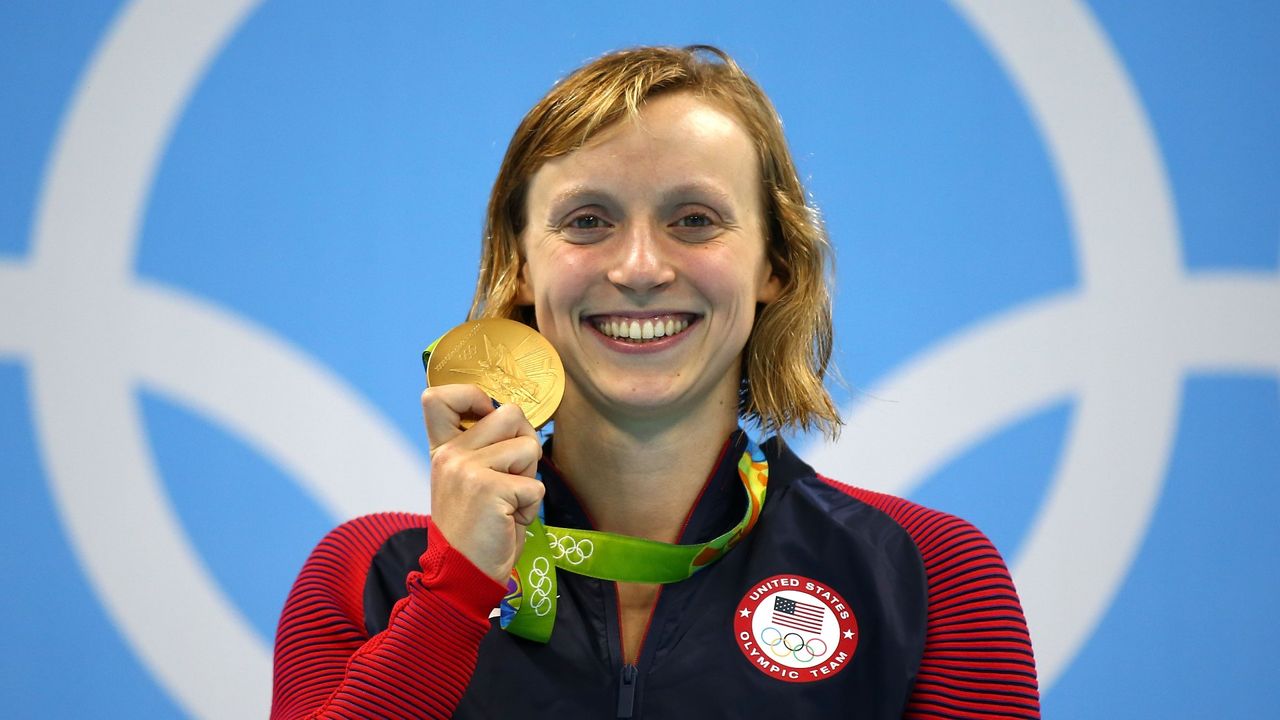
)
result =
(641, 330)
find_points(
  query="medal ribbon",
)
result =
(529, 609)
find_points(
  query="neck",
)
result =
(638, 478)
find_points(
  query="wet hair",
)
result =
(787, 355)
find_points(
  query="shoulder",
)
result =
(934, 532)
(941, 539)
(359, 538)
(857, 509)
(978, 656)
(338, 566)
(958, 557)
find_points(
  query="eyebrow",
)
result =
(595, 196)
(697, 188)
(580, 194)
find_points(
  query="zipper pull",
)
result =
(627, 691)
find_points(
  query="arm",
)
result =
(977, 661)
(326, 665)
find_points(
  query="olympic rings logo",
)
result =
(569, 549)
(540, 586)
(792, 644)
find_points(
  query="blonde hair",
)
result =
(789, 349)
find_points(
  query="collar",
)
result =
(718, 507)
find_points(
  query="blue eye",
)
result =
(695, 220)
(586, 222)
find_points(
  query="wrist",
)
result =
(451, 574)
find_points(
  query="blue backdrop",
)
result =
(228, 229)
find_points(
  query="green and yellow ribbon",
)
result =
(529, 609)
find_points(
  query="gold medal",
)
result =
(509, 360)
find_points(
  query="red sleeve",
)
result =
(326, 665)
(977, 654)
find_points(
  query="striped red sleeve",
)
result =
(326, 665)
(977, 659)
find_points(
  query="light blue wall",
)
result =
(324, 181)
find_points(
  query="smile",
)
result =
(640, 330)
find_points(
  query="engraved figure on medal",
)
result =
(508, 360)
(507, 379)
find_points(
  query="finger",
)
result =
(459, 476)
(526, 514)
(504, 423)
(512, 456)
(523, 497)
(444, 407)
(503, 473)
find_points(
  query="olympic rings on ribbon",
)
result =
(792, 644)
(540, 586)
(569, 549)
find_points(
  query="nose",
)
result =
(642, 264)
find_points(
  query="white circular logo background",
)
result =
(1125, 337)
(794, 629)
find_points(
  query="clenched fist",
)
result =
(483, 487)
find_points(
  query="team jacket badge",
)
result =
(795, 629)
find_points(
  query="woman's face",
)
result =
(645, 260)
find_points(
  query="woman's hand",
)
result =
(483, 491)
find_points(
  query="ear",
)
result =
(524, 288)
(770, 289)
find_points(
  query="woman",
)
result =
(649, 222)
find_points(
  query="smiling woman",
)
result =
(656, 220)
(649, 222)
(783, 372)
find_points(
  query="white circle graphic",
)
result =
(794, 629)
(792, 645)
(93, 334)
(1119, 346)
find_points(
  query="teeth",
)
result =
(638, 330)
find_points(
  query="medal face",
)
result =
(509, 360)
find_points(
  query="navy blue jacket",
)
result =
(830, 550)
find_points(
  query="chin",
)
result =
(680, 401)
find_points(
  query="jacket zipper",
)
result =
(627, 691)
(629, 678)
